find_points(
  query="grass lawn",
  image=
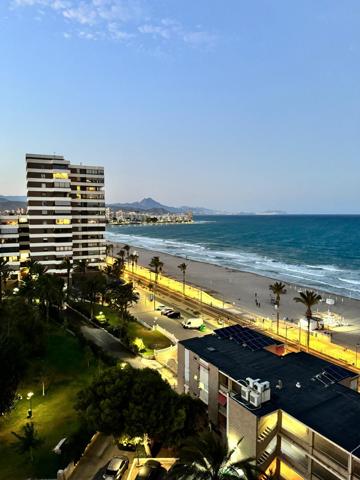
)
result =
(151, 338)
(53, 415)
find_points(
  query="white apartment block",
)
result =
(66, 211)
(88, 213)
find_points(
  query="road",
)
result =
(144, 310)
(111, 345)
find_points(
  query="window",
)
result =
(63, 221)
(62, 176)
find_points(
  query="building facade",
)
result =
(297, 415)
(65, 216)
(88, 213)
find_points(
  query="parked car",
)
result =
(116, 468)
(192, 323)
(174, 314)
(166, 310)
(160, 307)
(151, 470)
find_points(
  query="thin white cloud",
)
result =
(121, 20)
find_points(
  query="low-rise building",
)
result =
(297, 415)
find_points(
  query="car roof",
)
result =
(116, 462)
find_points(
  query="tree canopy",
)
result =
(137, 403)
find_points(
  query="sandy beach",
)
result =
(239, 288)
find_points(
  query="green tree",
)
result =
(278, 289)
(50, 290)
(12, 366)
(182, 267)
(35, 268)
(137, 403)
(309, 299)
(208, 457)
(132, 258)
(126, 248)
(156, 266)
(28, 441)
(121, 255)
(91, 286)
(118, 267)
(123, 297)
(4, 273)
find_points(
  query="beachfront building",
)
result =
(88, 214)
(49, 210)
(14, 240)
(65, 212)
(297, 414)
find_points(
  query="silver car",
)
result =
(116, 468)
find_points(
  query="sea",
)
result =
(318, 251)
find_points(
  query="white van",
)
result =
(192, 323)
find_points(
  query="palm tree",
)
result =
(123, 297)
(81, 266)
(121, 254)
(35, 268)
(118, 267)
(67, 265)
(278, 289)
(156, 264)
(136, 258)
(4, 273)
(208, 457)
(309, 299)
(109, 270)
(28, 441)
(132, 258)
(182, 267)
(127, 250)
(50, 290)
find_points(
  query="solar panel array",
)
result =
(330, 375)
(336, 373)
(245, 337)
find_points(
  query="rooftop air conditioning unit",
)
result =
(263, 388)
(255, 399)
(250, 381)
(245, 392)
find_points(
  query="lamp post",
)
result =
(356, 354)
(29, 397)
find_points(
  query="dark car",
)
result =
(173, 314)
(151, 470)
(116, 468)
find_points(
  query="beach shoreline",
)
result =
(238, 288)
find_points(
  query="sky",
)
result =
(228, 104)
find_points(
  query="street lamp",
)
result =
(356, 354)
(29, 397)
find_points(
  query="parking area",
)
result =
(138, 466)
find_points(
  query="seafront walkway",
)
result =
(224, 313)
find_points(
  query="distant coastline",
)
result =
(319, 251)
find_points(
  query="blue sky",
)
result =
(238, 105)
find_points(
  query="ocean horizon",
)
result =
(318, 251)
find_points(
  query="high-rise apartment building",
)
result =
(66, 211)
(49, 209)
(88, 213)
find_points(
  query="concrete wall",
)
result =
(242, 423)
(180, 368)
(213, 394)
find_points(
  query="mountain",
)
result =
(152, 206)
(11, 203)
(15, 198)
